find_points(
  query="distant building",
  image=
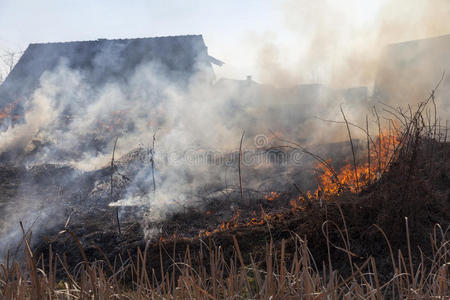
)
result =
(177, 58)
(408, 71)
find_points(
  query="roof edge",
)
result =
(124, 39)
(433, 38)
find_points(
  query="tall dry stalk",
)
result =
(355, 167)
(240, 167)
(112, 186)
(296, 277)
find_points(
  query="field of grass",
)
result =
(388, 238)
(220, 276)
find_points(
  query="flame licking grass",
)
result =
(272, 196)
(331, 184)
(381, 154)
(8, 111)
(299, 203)
(234, 222)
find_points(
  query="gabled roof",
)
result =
(102, 60)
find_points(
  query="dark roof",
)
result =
(103, 60)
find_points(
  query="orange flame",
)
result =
(7, 112)
(380, 155)
(272, 196)
(331, 183)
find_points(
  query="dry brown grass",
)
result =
(219, 276)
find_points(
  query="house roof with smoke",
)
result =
(175, 57)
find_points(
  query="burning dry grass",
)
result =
(379, 157)
(8, 111)
(284, 266)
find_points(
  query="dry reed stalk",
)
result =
(302, 279)
(153, 161)
(355, 167)
(112, 186)
(368, 149)
(379, 141)
(240, 166)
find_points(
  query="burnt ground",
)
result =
(416, 187)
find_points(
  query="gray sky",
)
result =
(269, 39)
